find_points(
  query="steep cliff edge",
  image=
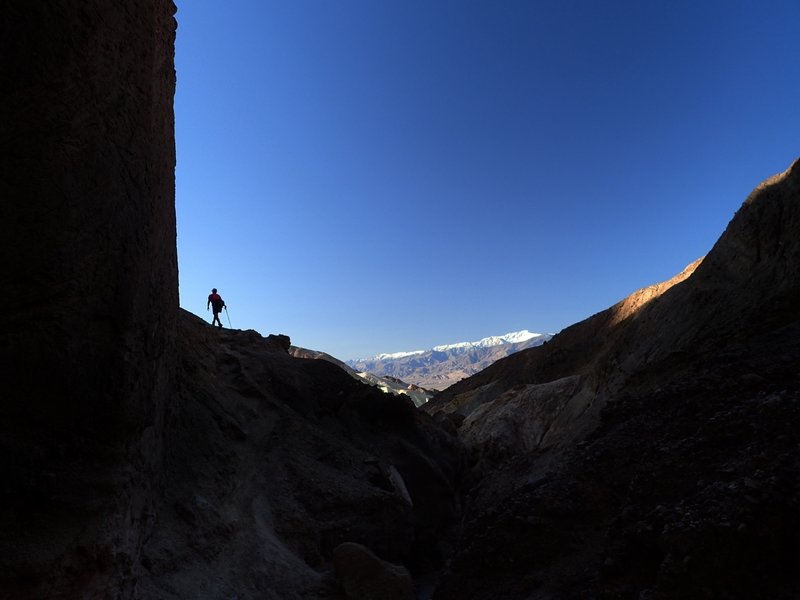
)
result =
(89, 288)
(650, 451)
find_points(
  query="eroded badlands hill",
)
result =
(650, 451)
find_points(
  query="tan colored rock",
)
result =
(523, 419)
(746, 283)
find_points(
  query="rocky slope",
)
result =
(651, 450)
(276, 461)
(443, 366)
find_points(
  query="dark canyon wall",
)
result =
(90, 286)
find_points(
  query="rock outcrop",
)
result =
(649, 451)
(573, 374)
(90, 288)
(276, 461)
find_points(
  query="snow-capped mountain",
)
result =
(515, 337)
(443, 365)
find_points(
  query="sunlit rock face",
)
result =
(90, 287)
(571, 375)
(747, 282)
(650, 450)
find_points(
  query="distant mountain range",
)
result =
(441, 366)
(389, 385)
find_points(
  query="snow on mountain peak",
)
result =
(515, 337)
(396, 355)
(441, 366)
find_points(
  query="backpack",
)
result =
(216, 302)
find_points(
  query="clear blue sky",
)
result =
(376, 176)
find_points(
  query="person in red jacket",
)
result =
(216, 302)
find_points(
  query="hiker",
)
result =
(217, 304)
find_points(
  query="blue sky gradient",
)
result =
(376, 176)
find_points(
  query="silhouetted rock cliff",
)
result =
(89, 288)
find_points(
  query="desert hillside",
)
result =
(648, 452)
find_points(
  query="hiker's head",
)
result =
(213, 290)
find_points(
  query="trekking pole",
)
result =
(229, 317)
